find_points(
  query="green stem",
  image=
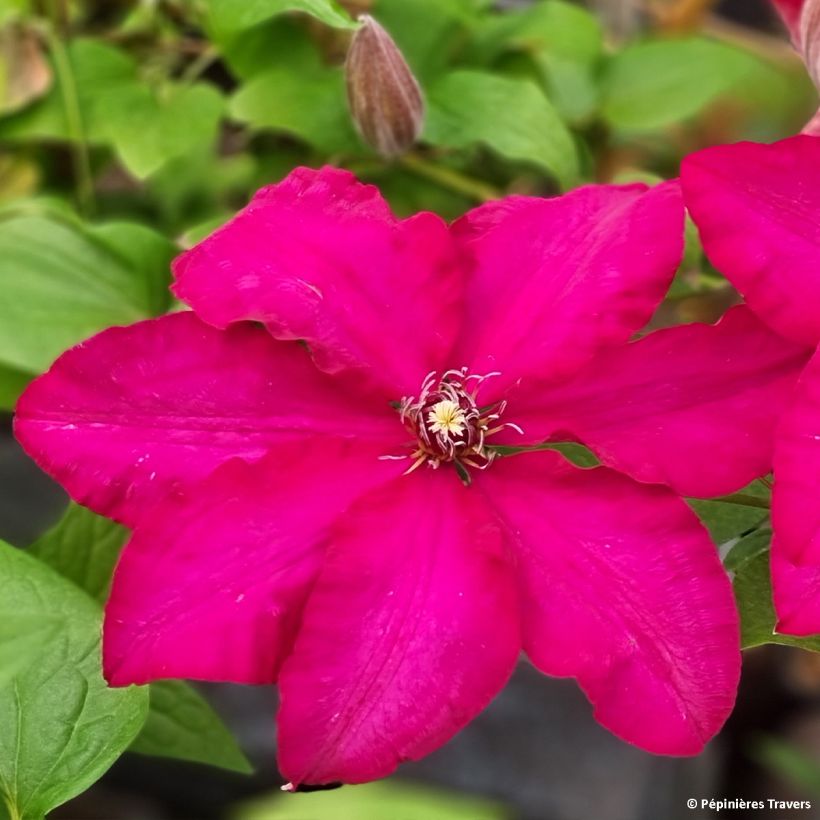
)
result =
(199, 66)
(453, 180)
(73, 114)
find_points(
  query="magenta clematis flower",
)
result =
(311, 464)
(758, 210)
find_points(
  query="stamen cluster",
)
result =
(448, 422)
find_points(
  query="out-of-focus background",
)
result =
(167, 114)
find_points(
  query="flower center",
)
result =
(448, 423)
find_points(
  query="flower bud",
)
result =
(384, 97)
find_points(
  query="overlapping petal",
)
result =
(796, 511)
(556, 280)
(693, 407)
(623, 590)
(758, 211)
(320, 257)
(123, 417)
(411, 629)
(212, 587)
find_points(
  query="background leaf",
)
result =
(82, 547)
(226, 18)
(511, 116)
(749, 561)
(112, 98)
(383, 799)
(181, 724)
(308, 104)
(657, 83)
(59, 292)
(566, 44)
(170, 125)
(22, 639)
(62, 725)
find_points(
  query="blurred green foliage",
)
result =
(131, 128)
(162, 117)
(385, 800)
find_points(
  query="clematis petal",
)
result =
(411, 630)
(212, 587)
(123, 417)
(622, 590)
(758, 211)
(795, 511)
(320, 257)
(694, 407)
(556, 280)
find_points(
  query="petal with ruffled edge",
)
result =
(796, 512)
(410, 631)
(694, 407)
(123, 417)
(320, 257)
(623, 590)
(757, 208)
(556, 280)
(212, 587)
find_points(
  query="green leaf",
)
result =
(82, 547)
(309, 104)
(173, 118)
(182, 725)
(170, 125)
(374, 801)
(226, 18)
(148, 253)
(278, 43)
(790, 762)
(428, 32)
(99, 70)
(565, 42)
(653, 84)
(510, 116)
(727, 521)
(22, 639)
(62, 725)
(749, 561)
(60, 291)
(12, 384)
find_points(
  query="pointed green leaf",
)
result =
(60, 292)
(22, 639)
(181, 724)
(510, 116)
(308, 104)
(62, 726)
(82, 547)
(226, 18)
(749, 561)
(657, 83)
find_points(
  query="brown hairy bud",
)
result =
(384, 97)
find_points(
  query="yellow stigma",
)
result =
(446, 417)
